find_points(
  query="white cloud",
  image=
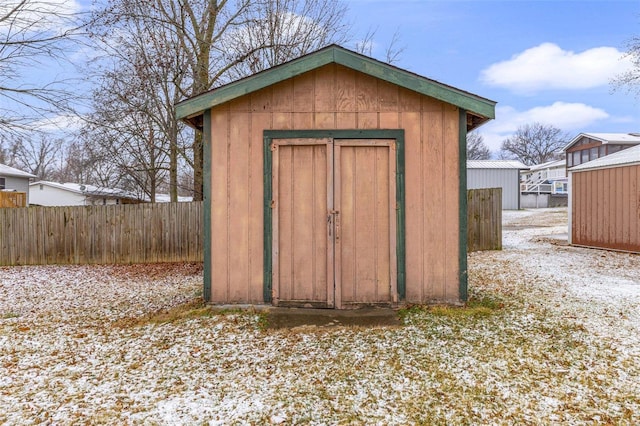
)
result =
(566, 116)
(59, 123)
(547, 66)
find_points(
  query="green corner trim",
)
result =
(397, 135)
(268, 220)
(206, 142)
(339, 55)
(462, 163)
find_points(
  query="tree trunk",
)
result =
(173, 166)
(198, 190)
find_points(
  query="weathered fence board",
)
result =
(484, 219)
(130, 233)
(13, 199)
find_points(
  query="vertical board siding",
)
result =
(484, 219)
(335, 97)
(606, 208)
(300, 247)
(13, 199)
(220, 247)
(130, 233)
(451, 187)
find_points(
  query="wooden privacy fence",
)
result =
(133, 233)
(13, 199)
(484, 219)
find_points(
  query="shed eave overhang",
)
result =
(479, 109)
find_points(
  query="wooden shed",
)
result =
(335, 180)
(604, 202)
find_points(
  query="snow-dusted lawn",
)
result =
(555, 339)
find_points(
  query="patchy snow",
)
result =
(563, 347)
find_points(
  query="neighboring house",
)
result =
(544, 185)
(12, 179)
(547, 178)
(604, 202)
(503, 174)
(44, 193)
(590, 146)
(335, 180)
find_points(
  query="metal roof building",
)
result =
(503, 174)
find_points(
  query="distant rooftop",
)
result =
(10, 171)
(89, 189)
(548, 165)
(606, 138)
(496, 164)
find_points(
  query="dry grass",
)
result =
(190, 309)
(536, 344)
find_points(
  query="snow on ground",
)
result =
(550, 337)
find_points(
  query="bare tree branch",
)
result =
(535, 144)
(476, 148)
(33, 33)
(170, 49)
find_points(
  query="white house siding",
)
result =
(46, 195)
(507, 179)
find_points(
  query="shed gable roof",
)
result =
(480, 109)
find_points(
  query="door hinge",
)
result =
(272, 204)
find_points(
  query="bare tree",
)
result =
(215, 41)
(33, 33)
(75, 164)
(39, 156)
(281, 30)
(630, 79)
(534, 144)
(392, 52)
(476, 148)
(3, 153)
(133, 118)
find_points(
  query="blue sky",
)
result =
(541, 61)
(545, 61)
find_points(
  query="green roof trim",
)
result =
(473, 104)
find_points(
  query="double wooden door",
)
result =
(334, 222)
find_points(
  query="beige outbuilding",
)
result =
(335, 180)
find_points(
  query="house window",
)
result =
(614, 148)
(603, 150)
(593, 153)
(569, 160)
(41, 187)
(2, 183)
(585, 155)
(576, 158)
